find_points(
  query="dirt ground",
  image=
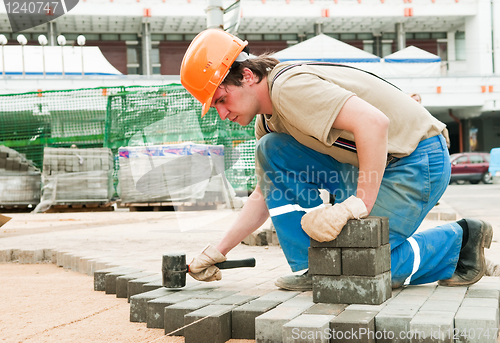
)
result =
(44, 303)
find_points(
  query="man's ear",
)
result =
(248, 75)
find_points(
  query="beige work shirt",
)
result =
(307, 99)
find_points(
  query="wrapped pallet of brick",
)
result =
(185, 172)
(76, 176)
(19, 179)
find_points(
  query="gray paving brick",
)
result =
(110, 279)
(483, 293)
(480, 302)
(67, 260)
(366, 261)
(75, 263)
(150, 286)
(122, 282)
(30, 256)
(243, 317)
(6, 255)
(60, 258)
(214, 328)
(235, 299)
(384, 221)
(354, 326)
(136, 286)
(280, 295)
(424, 290)
(304, 300)
(139, 303)
(100, 277)
(307, 328)
(352, 289)
(362, 233)
(268, 325)
(326, 309)
(156, 307)
(477, 324)
(440, 305)
(368, 308)
(325, 261)
(174, 314)
(396, 322)
(216, 295)
(432, 326)
(410, 300)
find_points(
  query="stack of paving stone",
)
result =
(355, 267)
(19, 179)
(173, 172)
(76, 176)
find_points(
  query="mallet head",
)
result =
(174, 270)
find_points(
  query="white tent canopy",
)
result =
(94, 62)
(325, 49)
(411, 61)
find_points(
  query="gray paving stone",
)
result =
(243, 317)
(110, 279)
(139, 303)
(216, 295)
(483, 293)
(156, 307)
(235, 299)
(150, 286)
(136, 286)
(366, 261)
(100, 277)
(384, 221)
(214, 328)
(30, 256)
(395, 322)
(368, 308)
(440, 305)
(75, 263)
(60, 258)
(122, 282)
(307, 328)
(476, 324)
(326, 309)
(362, 233)
(280, 295)
(432, 326)
(174, 314)
(268, 325)
(325, 261)
(354, 326)
(424, 290)
(480, 302)
(6, 255)
(352, 289)
(67, 260)
(410, 300)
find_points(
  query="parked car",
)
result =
(470, 166)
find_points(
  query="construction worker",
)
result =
(324, 126)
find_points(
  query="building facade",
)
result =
(146, 40)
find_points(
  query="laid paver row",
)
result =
(435, 313)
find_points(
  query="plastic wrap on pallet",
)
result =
(20, 189)
(76, 176)
(173, 172)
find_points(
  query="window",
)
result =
(368, 46)
(476, 159)
(462, 160)
(110, 36)
(155, 61)
(460, 46)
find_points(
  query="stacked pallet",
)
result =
(19, 179)
(355, 268)
(184, 172)
(77, 176)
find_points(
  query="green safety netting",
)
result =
(122, 116)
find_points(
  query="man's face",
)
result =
(238, 104)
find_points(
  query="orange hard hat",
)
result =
(207, 62)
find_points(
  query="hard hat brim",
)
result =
(206, 106)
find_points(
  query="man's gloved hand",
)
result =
(325, 224)
(202, 266)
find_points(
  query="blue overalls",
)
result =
(291, 175)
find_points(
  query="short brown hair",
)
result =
(260, 66)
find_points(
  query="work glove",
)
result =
(325, 224)
(202, 266)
